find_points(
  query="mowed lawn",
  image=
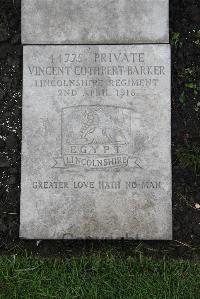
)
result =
(98, 276)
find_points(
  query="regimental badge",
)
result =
(97, 137)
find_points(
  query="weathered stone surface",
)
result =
(94, 21)
(96, 159)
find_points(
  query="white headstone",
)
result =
(96, 151)
(95, 21)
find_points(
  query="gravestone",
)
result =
(95, 21)
(96, 146)
(96, 142)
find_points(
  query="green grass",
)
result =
(98, 277)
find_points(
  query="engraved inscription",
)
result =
(101, 185)
(122, 74)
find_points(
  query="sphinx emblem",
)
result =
(92, 132)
